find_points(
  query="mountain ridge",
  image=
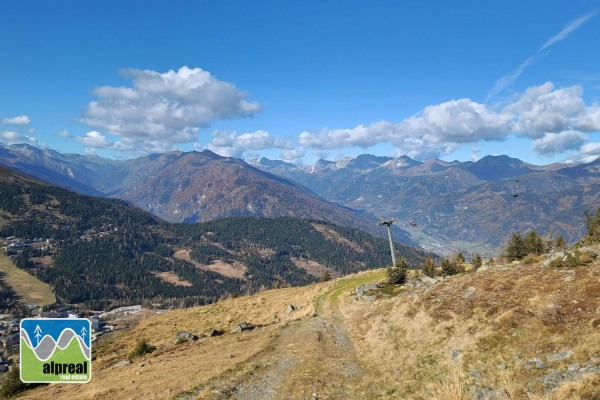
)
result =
(506, 194)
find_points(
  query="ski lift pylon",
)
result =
(515, 192)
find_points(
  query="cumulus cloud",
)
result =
(231, 144)
(14, 137)
(556, 143)
(555, 118)
(165, 107)
(439, 129)
(18, 120)
(95, 140)
(546, 109)
(589, 152)
(457, 121)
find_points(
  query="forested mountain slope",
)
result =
(106, 252)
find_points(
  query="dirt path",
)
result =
(310, 358)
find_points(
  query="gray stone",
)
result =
(185, 337)
(573, 367)
(242, 326)
(490, 394)
(538, 363)
(456, 354)
(122, 363)
(290, 308)
(475, 374)
(563, 355)
(215, 332)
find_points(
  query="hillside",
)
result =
(105, 252)
(187, 186)
(520, 331)
(473, 206)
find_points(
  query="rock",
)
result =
(563, 355)
(242, 326)
(362, 289)
(290, 308)
(185, 337)
(215, 332)
(487, 393)
(456, 354)
(122, 363)
(538, 363)
(369, 299)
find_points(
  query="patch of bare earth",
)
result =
(235, 270)
(312, 267)
(336, 237)
(172, 278)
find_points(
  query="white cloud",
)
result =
(545, 109)
(556, 143)
(554, 117)
(18, 120)
(589, 152)
(95, 140)
(508, 79)
(566, 31)
(457, 121)
(64, 133)
(165, 107)
(293, 155)
(14, 137)
(230, 144)
(439, 129)
(589, 119)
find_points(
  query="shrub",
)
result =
(477, 262)
(13, 385)
(451, 268)
(141, 348)
(429, 268)
(592, 224)
(396, 274)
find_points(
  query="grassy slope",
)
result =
(493, 321)
(30, 289)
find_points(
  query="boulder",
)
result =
(185, 337)
(215, 332)
(242, 326)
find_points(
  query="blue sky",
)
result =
(302, 80)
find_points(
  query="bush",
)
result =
(451, 268)
(396, 274)
(592, 224)
(13, 385)
(477, 262)
(142, 347)
(429, 268)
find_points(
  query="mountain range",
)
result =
(448, 203)
(106, 252)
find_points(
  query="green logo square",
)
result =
(56, 350)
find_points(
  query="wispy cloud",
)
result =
(567, 30)
(508, 79)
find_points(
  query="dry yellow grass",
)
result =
(468, 332)
(30, 289)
